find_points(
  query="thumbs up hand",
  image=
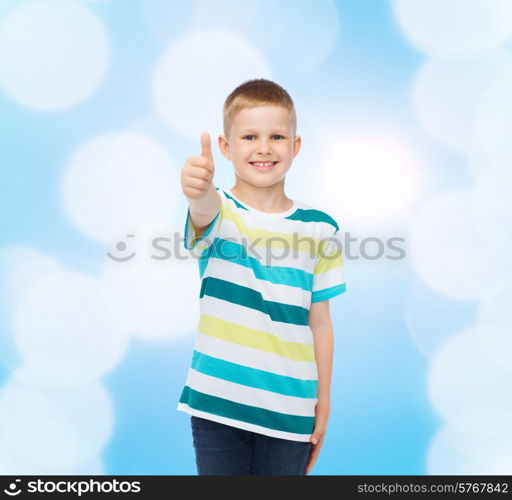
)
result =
(197, 172)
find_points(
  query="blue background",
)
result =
(382, 420)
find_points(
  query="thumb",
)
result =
(206, 146)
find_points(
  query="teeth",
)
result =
(263, 164)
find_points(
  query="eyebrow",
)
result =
(244, 131)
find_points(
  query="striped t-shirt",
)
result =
(253, 365)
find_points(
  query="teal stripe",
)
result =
(253, 377)
(245, 296)
(203, 262)
(237, 203)
(311, 215)
(205, 257)
(246, 413)
(328, 293)
(281, 275)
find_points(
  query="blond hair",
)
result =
(258, 92)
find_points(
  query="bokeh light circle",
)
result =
(195, 75)
(61, 50)
(454, 26)
(120, 184)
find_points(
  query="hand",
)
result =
(197, 173)
(317, 438)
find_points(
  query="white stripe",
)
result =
(329, 278)
(252, 396)
(244, 425)
(251, 318)
(253, 358)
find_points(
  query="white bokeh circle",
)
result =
(493, 214)
(475, 442)
(64, 331)
(53, 54)
(454, 26)
(165, 20)
(447, 252)
(154, 299)
(493, 120)
(431, 318)
(370, 180)
(12, 463)
(497, 343)
(447, 90)
(19, 266)
(60, 429)
(318, 21)
(495, 307)
(120, 184)
(195, 75)
(463, 376)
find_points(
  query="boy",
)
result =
(258, 390)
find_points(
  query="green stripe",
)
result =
(311, 215)
(245, 296)
(253, 377)
(237, 203)
(236, 253)
(246, 413)
(203, 262)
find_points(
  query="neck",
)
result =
(264, 198)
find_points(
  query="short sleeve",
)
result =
(208, 235)
(329, 274)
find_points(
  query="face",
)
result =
(261, 134)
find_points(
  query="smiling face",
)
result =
(261, 144)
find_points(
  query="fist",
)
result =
(197, 173)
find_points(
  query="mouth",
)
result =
(263, 165)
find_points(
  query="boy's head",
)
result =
(260, 125)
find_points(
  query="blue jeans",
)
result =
(224, 450)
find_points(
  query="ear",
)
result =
(224, 147)
(297, 142)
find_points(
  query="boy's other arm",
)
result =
(197, 184)
(319, 320)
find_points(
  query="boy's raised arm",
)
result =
(198, 188)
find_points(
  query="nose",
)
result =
(264, 147)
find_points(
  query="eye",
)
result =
(277, 135)
(248, 136)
